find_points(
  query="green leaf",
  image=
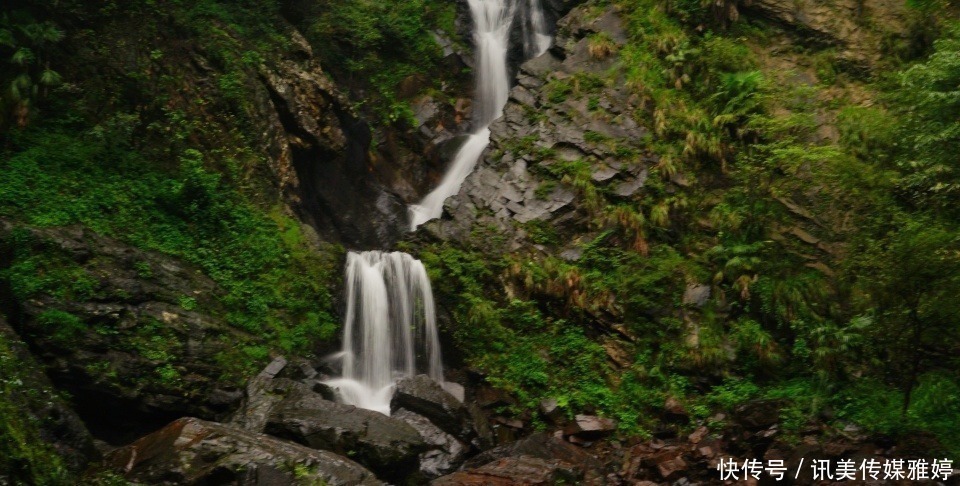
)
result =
(50, 77)
(22, 57)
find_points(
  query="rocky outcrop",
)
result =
(36, 398)
(423, 396)
(854, 26)
(193, 451)
(289, 402)
(555, 116)
(133, 338)
(386, 445)
(320, 153)
(512, 471)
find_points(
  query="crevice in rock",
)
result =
(110, 419)
(338, 194)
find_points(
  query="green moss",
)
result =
(62, 327)
(24, 456)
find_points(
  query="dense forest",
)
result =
(729, 222)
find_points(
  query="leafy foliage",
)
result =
(55, 176)
(27, 76)
(374, 46)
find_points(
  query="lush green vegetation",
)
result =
(828, 298)
(27, 76)
(376, 46)
(57, 175)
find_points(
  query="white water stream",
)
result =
(389, 318)
(390, 328)
(493, 20)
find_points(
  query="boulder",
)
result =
(541, 446)
(590, 427)
(446, 452)
(262, 394)
(193, 451)
(384, 444)
(144, 317)
(758, 414)
(696, 295)
(511, 471)
(425, 397)
(550, 410)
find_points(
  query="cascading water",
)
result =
(493, 20)
(538, 39)
(390, 311)
(389, 317)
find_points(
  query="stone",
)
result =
(551, 411)
(603, 173)
(193, 451)
(425, 397)
(509, 422)
(522, 95)
(274, 368)
(446, 452)
(572, 254)
(425, 111)
(386, 445)
(590, 427)
(670, 467)
(674, 407)
(698, 435)
(629, 187)
(511, 471)
(758, 414)
(59, 425)
(696, 295)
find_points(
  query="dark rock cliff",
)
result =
(141, 347)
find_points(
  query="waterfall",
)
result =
(389, 317)
(493, 20)
(538, 39)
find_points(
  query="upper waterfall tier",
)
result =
(493, 21)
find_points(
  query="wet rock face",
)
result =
(320, 155)
(547, 122)
(93, 348)
(193, 451)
